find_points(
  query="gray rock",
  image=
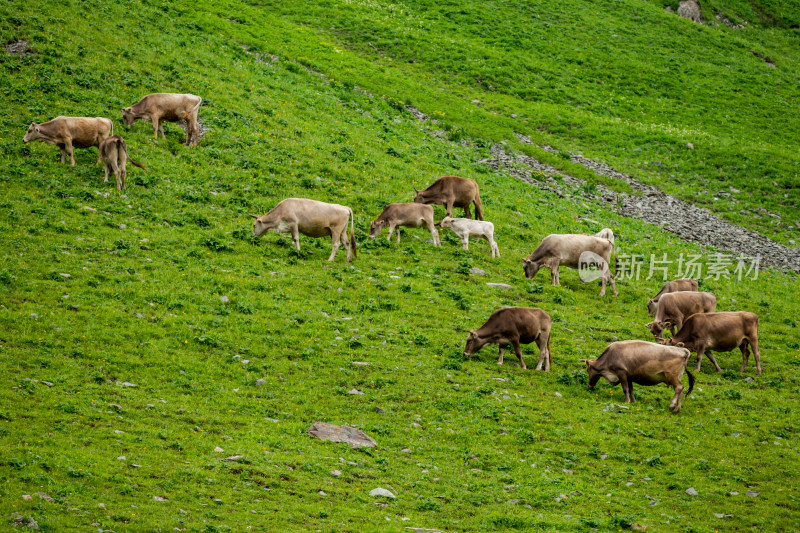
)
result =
(349, 435)
(65, 275)
(234, 458)
(122, 226)
(691, 491)
(690, 146)
(355, 392)
(126, 384)
(224, 299)
(90, 209)
(748, 379)
(360, 363)
(116, 406)
(159, 498)
(733, 493)
(32, 524)
(477, 271)
(379, 410)
(261, 382)
(379, 492)
(752, 494)
(500, 285)
(336, 473)
(558, 395)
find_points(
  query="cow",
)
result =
(311, 218)
(514, 326)
(452, 191)
(466, 228)
(408, 215)
(169, 107)
(114, 155)
(606, 233)
(721, 332)
(572, 250)
(645, 363)
(69, 132)
(683, 284)
(674, 307)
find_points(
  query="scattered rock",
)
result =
(722, 515)
(322, 493)
(90, 209)
(116, 406)
(355, 392)
(752, 494)
(224, 299)
(234, 458)
(122, 458)
(20, 47)
(603, 456)
(119, 432)
(616, 408)
(32, 524)
(360, 363)
(65, 275)
(101, 505)
(690, 9)
(126, 384)
(218, 450)
(379, 410)
(122, 226)
(382, 493)
(349, 435)
(160, 499)
(748, 379)
(690, 146)
(406, 450)
(558, 395)
(691, 491)
(477, 271)
(336, 473)
(261, 382)
(500, 285)
(27, 497)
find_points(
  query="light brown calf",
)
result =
(407, 215)
(514, 326)
(452, 191)
(169, 107)
(674, 307)
(69, 132)
(683, 284)
(114, 155)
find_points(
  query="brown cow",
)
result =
(645, 363)
(114, 155)
(572, 250)
(721, 332)
(683, 284)
(169, 107)
(674, 307)
(452, 191)
(312, 218)
(408, 215)
(514, 326)
(66, 132)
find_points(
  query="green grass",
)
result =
(147, 270)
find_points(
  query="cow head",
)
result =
(32, 133)
(128, 116)
(260, 226)
(594, 374)
(447, 222)
(376, 227)
(652, 306)
(474, 343)
(419, 197)
(657, 329)
(531, 267)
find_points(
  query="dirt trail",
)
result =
(653, 206)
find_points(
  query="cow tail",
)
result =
(125, 147)
(478, 207)
(352, 234)
(549, 351)
(691, 380)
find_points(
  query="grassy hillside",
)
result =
(163, 287)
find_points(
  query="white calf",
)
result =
(466, 228)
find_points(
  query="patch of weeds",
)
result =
(732, 394)
(428, 505)
(215, 244)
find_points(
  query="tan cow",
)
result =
(721, 332)
(683, 284)
(66, 132)
(645, 363)
(514, 326)
(114, 155)
(407, 215)
(674, 307)
(169, 107)
(571, 250)
(452, 191)
(294, 216)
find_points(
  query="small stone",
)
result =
(322, 493)
(122, 226)
(752, 493)
(138, 315)
(691, 491)
(380, 492)
(336, 473)
(733, 493)
(122, 458)
(477, 271)
(159, 498)
(218, 500)
(629, 483)
(234, 458)
(360, 363)
(90, 209)
(567, 471)
(27, 497)
(101, 505)
(603, 456)
(125, 384)
(32, 524)
(748, 379)
(65, 275)
(260, 382)
(500, 285)
(48, 383)
(476, 102)
(45, 497)
(506, 397)
(406, 450)
(119, 432)
(558, 395)
(218, 449)
(224, 299)
(379, 410)
(355, 392)
(116, 406)
(690, 146)
(245, 361)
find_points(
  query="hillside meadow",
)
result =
(135, 326)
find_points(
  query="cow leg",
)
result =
(156, 127)
(467, 213)
(347, 244)
(391, 229)
(518, 350)
(713, 360)
(68, 147)
(623, 380)
(675, 404)
(554, 272)
(123, 175)
(161, 129)
(700, 350)
(502, 349)
(449, 209)
(434, 234)
(336, 239)
(544, 357)
(753, 340)
(61, 147)
(495, 249)
(745, 354)
(630, 389)
(397, 232)
(465, 242)
(296, 237)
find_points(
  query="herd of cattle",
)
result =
(690, 315)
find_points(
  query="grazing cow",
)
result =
(514, 326)
(114, 155)
(66, 132)
(466, 228)
(311, 218)
(169, 107)
(408, 215)
(572, 250)
(683, 284)
(605, 233)
(721, 332)
(674, 307)
(452, 191)
(645, 363)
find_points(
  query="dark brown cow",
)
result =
(721, 332)
(676, 285)
(169, 107)
(114, 155)
(572, 250)
(645, 363)
(674, 307)
(514, 326)
(452, 191)
(66, 132)
(408, 215)
(312, 218)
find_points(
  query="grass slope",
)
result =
(464, 444)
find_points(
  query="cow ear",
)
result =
(416, 191)
(254, 216)
(472, 333)
(526, 260)
(679, 345)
